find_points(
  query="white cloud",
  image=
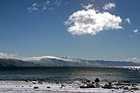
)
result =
(109, 6)
(89, 6)
(45, 5)
(34, 4)
(134, 59)
(7, 56)
(128, 20)
(48, 5)
(58, 2)
(135, 31)
(92, 22)
(33, 8)
(14, 56)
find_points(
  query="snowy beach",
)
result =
(44, 87)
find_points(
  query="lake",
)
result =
(67, 74)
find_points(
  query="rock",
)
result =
(112, 90)
(97, 80)
(109, 83)
(116, 88)
(92, 82)
(88, 81)
(48, 87)
(134, 85)
(126, 81)
(124, 84)
(62, 86)
(90, 86)
(84, 82)
(134, 88)
(121, 87)
(87, 86)
(26, 80)
(36, 87)
(40, 82)
(107, 86)
(126, 88)
(57, 82)
(34, 82)
(132, 91)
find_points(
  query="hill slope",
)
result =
(62, 62)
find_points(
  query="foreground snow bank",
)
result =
(44, 87)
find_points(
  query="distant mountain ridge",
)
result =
(48, 61)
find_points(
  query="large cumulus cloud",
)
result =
(91, 21)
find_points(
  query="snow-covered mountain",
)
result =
(51, 61)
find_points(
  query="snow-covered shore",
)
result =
(44, 87)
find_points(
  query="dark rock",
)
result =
(57, 82)
(97, 80)
(116, 88)
(36, 87)
(112, 90)
(48, 87)
(126, 88)
(92, 82)
(88, 81)
(26, 80)
(35, 80)
(126, 81)
(132, 91)
(134, 88)
(62, 86)
(121, 87)
(84, 82)
(109, 83)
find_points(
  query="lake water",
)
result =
(67, 74)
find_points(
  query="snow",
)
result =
(35, 87)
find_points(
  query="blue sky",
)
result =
(38, 28)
